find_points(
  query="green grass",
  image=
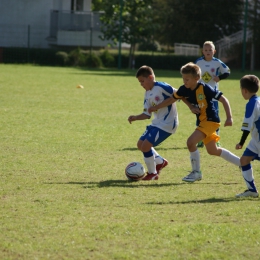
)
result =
(63, 192)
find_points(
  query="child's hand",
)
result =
(151, 109)
(194, 110)
(216, 78)
(131, 119)
(239, 146)
(229, 122)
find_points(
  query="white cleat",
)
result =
(193, 176)
(248, 193)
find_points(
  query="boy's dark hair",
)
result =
(191, 68)
(250, 82)
(144, 71)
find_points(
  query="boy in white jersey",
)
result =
(163, 125)
(212, 71)
(249, 85)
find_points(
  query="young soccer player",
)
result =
(164, 124)
(200, 95)
(212, 71)
(249, 85)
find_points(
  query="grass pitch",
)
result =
(63, 192)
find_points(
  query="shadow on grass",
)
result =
(114, 72)
(157, 148)
(117, 183)
(125, 72)
(210, 200)
(131, 184)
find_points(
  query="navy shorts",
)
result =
(154, 135)
(248, 152)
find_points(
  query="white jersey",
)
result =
(252, 123)
(212, 68)
(165, 118)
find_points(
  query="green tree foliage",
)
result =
(137, 21)
(197, 21)
(254, 18)
(253, 15)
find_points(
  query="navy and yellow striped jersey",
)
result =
(201, 97)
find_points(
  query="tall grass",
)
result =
(63, 192)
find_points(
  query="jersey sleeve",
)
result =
(180, 93)
(223, 68)
(213, 93)
(248, 119)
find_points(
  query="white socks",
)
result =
(195, 160)
(247, 173)
(157, 157)
(150, 163)
(230, 157)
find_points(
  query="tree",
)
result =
(197, 21)
(254, 26)
(137, 22)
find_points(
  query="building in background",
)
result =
(47, 23)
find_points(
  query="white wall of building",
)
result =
(18, 17)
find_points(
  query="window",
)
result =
(77, 5)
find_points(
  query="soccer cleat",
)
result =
(160, 166)
(200, 144)
(248, 193)
(150, 177)
(193, 176)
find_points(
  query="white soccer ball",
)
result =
(134, 171)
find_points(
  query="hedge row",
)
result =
(78, 57)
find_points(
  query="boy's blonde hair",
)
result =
(191, 68)
(209, 43)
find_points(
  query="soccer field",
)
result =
(63, 191)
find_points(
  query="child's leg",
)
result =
(195, 174)
(247, 173)
(230, 157)
(217, 109)
(195, 160)
(150, 162)
(194, 153)
(157, 156)
(212, 149)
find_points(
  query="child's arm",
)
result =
(243, 139)
(220, 77)
(138, 117)
(165, 103)
(225, 103)
(193, 109)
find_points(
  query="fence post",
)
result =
(245, 38)
(28, 44)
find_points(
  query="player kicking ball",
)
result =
(163, 125)
(200, 96)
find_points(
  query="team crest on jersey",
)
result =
(200, 97)
(206, 77)
(212, 70)
(157, 98)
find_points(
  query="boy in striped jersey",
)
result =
(249, 85)
(200, 95)
(212, 71)
(163, 125)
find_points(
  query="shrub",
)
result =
(93, 61)
(107, 59)
(77, 57)
(62, 58)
